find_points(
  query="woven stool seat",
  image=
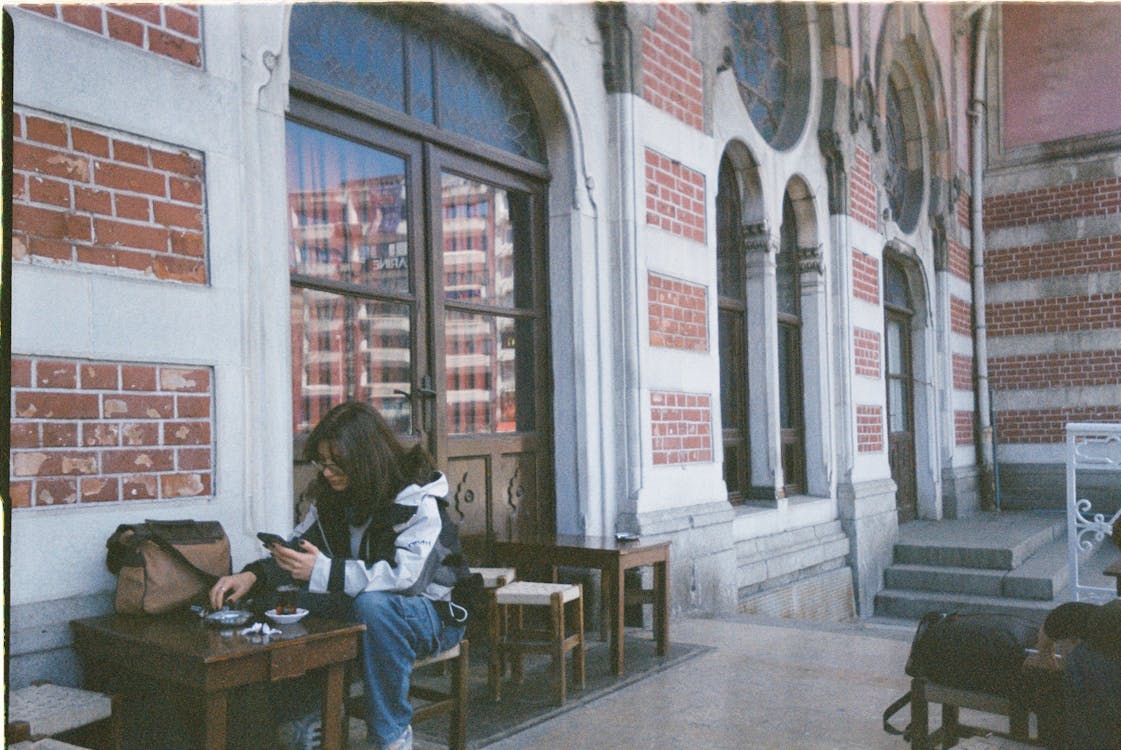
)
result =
(535, 593)
(495, 577)
(53, 709)
(451, 653)
(45, 744)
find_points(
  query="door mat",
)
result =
(531, 702)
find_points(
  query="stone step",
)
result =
(989, 541)
(910, 604)
(1041, 577)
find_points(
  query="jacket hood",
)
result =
(414, 493)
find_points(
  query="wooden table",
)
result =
(1114, 570)
(613, 558)
(181, 650)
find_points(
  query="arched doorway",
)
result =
(900, 379)
(417, 201)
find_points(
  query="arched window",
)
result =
(417, 197)
(788, 296)
(731, 289)
(903, 176)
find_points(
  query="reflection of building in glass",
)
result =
(347, 347)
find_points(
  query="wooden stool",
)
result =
(517, 640)
(452, 701)
(493, 579)
(924, 692)
(47, 710)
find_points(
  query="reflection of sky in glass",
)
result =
(318, 160)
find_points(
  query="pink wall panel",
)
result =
(1054, 59)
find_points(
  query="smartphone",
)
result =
(269, 539)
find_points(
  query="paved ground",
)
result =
(767, 683)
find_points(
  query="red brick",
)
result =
(193, 407)
(187, 191)
(99, 489)
(53, 249)
(60, 434)
(139, 236)
(88, 142)
(45, 222)
(187, 243)
(131, 153)
(55, 374)
(139, 460)
(182, 21)
(193, 380)
(133, 179)
(138, 377)
(93, 200)
(50, 132)
(86, 16)
(174, 215)
(140, 433)
(101, 434)
(20, 371)
(149, 12)
(132, 207)
(56, 492)
(136, 406)
(185, 485)
(194, 459)
(21, 493)
(54, 192)
(180, 163)
(125, 29)
(53, 405)
(140, 487)
(186, 433)
(174, 47)
(180, 269)
(24, 435)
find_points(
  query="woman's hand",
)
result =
(297, 563)
(235, 587)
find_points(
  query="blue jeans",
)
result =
(399, 630)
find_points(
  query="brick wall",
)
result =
(91, 432)
(1053, 203)
(95, 198)
(172, 31)
(862, 192)
(959, 261)
(1084, 255)
(1049, 425)
(865, 277)
(866, 350)
(963, 372)
(671, 77)
(1058, 370)
(678, 313)
(963, 428)
(675, 197)
(681, 426)
(869, 429)
(961, 316)
(1093, 312)
(964, 214)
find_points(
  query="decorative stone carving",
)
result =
(611, 18)
(756, 238)
(811, 260)
(829, 141)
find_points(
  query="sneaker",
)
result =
(304, 733)
(404, 742)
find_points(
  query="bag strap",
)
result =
(892, 710)
(208, 578)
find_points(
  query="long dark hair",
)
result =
(377, 466)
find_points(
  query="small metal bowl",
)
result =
(228, 618)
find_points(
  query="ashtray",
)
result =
(228, 618)
(286, 619)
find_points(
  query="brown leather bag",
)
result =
(165, 565)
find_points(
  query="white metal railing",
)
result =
(1096, 447)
